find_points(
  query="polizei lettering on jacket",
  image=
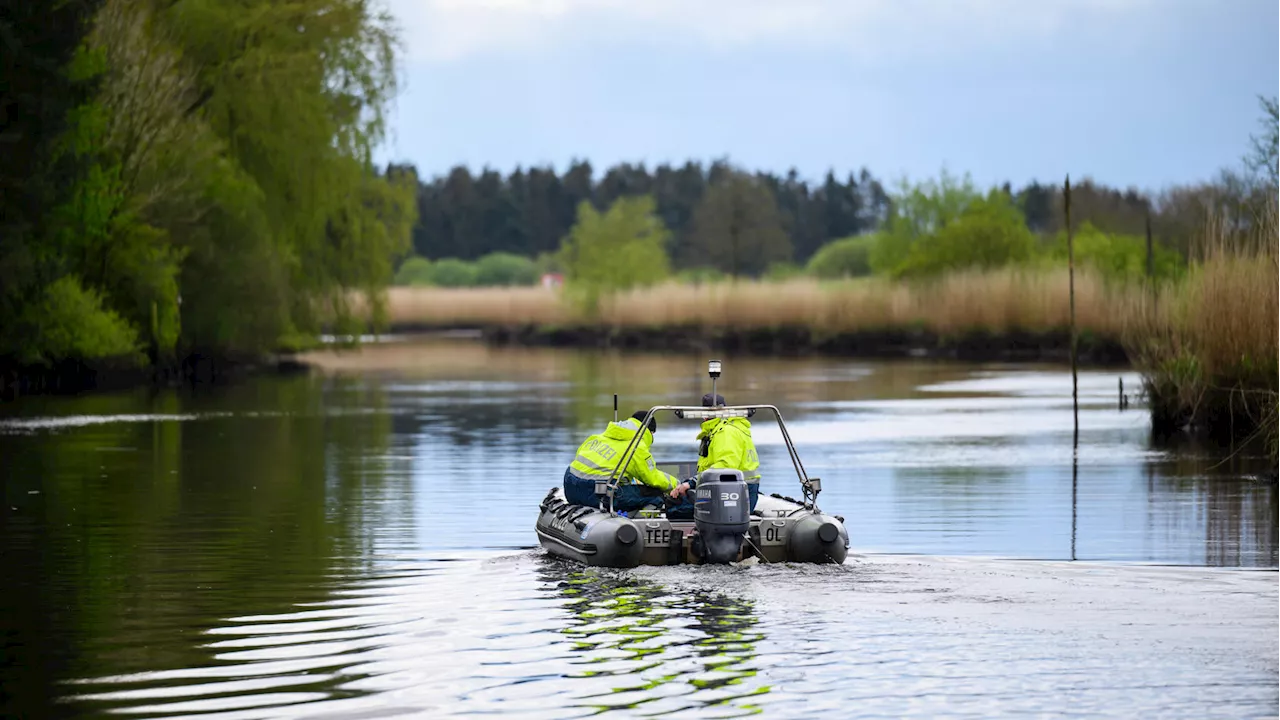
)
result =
(601, 448)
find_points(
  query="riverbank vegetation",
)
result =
(1207, 346)
(997, 301)
(192, 178)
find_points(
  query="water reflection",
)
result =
(669, 650)
(122, 538)
(291, 545)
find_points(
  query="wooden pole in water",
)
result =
(1075, 397)
(1075, 494)
(1071, 285)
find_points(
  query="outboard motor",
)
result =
(722, 515)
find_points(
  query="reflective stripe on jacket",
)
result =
(600, 454)
(729, 446)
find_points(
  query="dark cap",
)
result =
(708, 401)
(638, 416)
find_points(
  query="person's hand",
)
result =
(680, 490)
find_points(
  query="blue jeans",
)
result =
(625, 497)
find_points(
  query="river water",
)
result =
(358, 543)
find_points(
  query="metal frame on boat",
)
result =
(810, 487)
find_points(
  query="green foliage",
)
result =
(1118, 257)
(414, 271)
(209, 178)
(501, 268)
(936, 227)
(69, 321)
(846, 257)
(295, 117)
(989, 233)
(929, 206)
(916, 212)
(46, 77)
(737, 228)
(779, 272)
(701, 276)
(494, 269)
(621, 248)
(452, 272)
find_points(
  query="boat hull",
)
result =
(782, 530)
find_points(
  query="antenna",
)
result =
(615, 407)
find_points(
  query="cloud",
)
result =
(447, 30)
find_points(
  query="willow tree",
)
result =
(296, 92)
(155, 158)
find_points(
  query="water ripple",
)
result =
(529, 636)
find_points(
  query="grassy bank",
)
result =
(1000, 313)
(999, 301)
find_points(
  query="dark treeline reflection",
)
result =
(122, 541)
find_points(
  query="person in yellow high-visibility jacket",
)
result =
(641, 484)
(726, 443)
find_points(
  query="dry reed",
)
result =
(1208, 348)
(992, 301)
(451, 307)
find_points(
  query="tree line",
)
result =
(723, 219)
(192, 176)
(530, 211)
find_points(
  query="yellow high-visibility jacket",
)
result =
(600, 454)
(729, 446)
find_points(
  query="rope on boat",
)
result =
(759, 552)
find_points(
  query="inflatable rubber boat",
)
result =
(723, 530)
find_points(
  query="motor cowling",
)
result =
(721, 514)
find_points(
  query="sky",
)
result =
(1132, 93)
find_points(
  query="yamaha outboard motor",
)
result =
(722, 515)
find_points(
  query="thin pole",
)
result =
(615, 407)
(1071, 281)
(1075, 482)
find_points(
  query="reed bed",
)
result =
(1209, 347)
(455, 307)
(994, 301)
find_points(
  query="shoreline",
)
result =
(76, 377)
(797, 341)
(73, 377)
